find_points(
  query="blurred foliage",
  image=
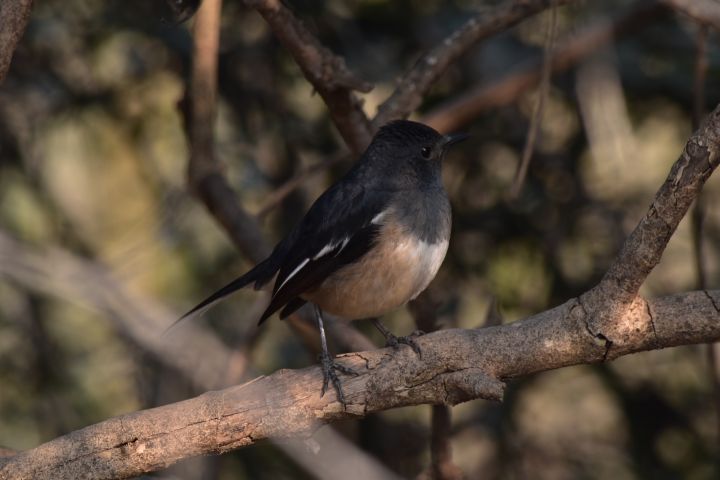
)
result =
(93, 158)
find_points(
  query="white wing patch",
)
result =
(293, 273)
(377, 219)
(332, 246)
(324, 251)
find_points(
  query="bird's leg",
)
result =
(328, 365)
(394, 341)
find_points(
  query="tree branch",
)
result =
(14, 15)
(644, 247)
(417, 81)
(456, 366)
(538, 108)
(326, 71)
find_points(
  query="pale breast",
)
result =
(394, 272)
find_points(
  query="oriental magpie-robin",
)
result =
(370, 243)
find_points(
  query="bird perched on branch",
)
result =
(370, 243)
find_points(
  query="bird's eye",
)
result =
(426, 151)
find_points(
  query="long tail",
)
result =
(259, 275)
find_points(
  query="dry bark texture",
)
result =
(609, 321)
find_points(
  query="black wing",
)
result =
(337, 230)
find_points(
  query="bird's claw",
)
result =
(395, 341)
(328, 366)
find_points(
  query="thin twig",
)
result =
(417, 81)
(457, 112)
(539, 107)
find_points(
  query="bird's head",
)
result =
(411, 148)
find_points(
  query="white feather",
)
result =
(332, 246)
(292, 274)
(379, 217)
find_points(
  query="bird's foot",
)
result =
(395, 341)
(329, 366)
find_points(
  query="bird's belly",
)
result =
(387, 277)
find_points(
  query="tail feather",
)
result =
(259, 275)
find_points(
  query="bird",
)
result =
(369, 244)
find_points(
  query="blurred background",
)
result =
(102, 245)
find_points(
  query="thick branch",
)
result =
(457, 112)
(417, 81)
(456, 366)
(14, 15)
(326, 71)
(645, 245)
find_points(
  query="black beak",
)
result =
(453, 138)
